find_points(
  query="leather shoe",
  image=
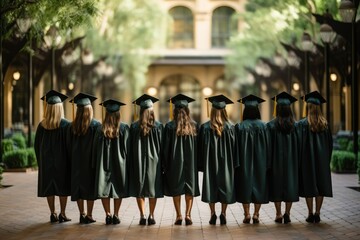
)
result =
(278, 219)
(286, 218)
(213, 219)
(188, 220)
(142, 221)
(115, 220)
(82, 219)
(63, 218)
(151, 220)
(178, 221)
(247, 219)
(54, 218)
(108, 220)
(89, 219)
(317, 218)
(310, 218)
(255, 219)
(222, 219)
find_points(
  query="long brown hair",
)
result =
(111, 124)
(184, 123)
(146, 120)
(315, 118)
(81, 123)
(218, 117)
(53, 115)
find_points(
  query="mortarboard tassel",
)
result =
(73, 109)
(171, 110)
(44, 106)
(274, 113)
(241, 110)
(207, 107)
(304, 110)
(102, 114)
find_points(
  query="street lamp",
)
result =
(307, 46)
(348, 10)
(24, 25)
(52, 40)
(327, 36)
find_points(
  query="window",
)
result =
(222, 26)
(182, 29)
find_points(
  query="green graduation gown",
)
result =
(179, 163)
(251, 162)
(110, 157)
(284, 164)
(215, 159)
(54, 167)
(145, 162)
(315, 174)
(79, 150)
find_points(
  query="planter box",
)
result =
(20, 169)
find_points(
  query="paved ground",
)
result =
(25, 216)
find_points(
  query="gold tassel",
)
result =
(241, 110)
(135, 116)
(275, 103)
(207, 107)
(304, 110)
(171, 110)
(73, 110)
(44, 106)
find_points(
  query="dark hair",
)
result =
(251, 113)
(284, 118)
(184, 123)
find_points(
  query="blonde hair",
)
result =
(218, 117)
(317, 121)
(81, 123)
(111, 124)
(184, 123)
(147, 120)
(53, 115)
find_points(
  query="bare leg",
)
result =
(246, 208)
(51, 203)
(278, 210)
(152, 205)
(141, 206)
(106, 205)
(90, 206)
(309, 203)
(223, 208)
(80, 204)
(288, 207)
(177, 204)
(189, 202)
(63, 202)
(319, 200)
(212, 208)
(117, 204)
(257, 209)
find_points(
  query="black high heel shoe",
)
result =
(286, 218)
(178, 221)
(54, 218)
(188, 220)
(255, 219)
(115, 220)
(63, 218)
(222, 219)
(310, 218)
(151, 220)
(213, 219)
(142, 220)
(317, 218)
(89, 219)
(82, 219)
(278, 219)
(247, 219)
(108, 220)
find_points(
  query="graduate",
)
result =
(80, 136)
(316, 150)
(284, 156)
(180, 157)
(251, 162)
(216, 147)
(110, 157)
(145, 162)
(50, 149)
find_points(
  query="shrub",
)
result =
(16, 159)
(343, 161)
(343, 143)
(7, 145)
(31, 157)
(19, 141)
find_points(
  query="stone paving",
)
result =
(25, 216)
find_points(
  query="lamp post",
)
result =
(24, 25)
(307, 46)
(348, 10)
(52, 40)
(327, 36)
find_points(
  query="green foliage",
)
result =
(31, 157)
(343, 161)
(7, 145)
(343, 143)
(19, 141)
(1, 172)
(20, 158)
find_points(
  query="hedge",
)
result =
(20, 158)
(19, 141)
(7, 145)
(343, 161)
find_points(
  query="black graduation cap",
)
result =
(181, 100)
(251, 100)
(145, 101)
(314, 97)
(112, 105)
(83, 99)
(53, 97)
(219, 101)
(284, 98)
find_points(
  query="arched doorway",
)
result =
(175, 84)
